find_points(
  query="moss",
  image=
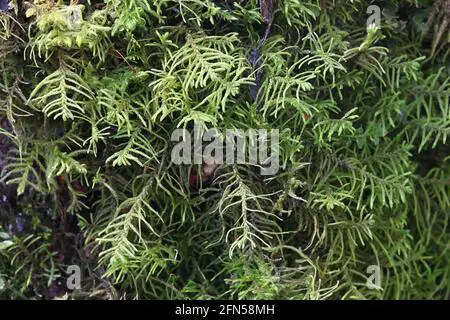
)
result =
(91, 92)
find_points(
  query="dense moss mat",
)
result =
(91, 91)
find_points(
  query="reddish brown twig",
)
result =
(120, 55)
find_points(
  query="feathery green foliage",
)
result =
(91, 92)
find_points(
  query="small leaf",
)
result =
(5, 244)
(4, 236)
(30, 12)
(2, 283)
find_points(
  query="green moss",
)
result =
(91, 93)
